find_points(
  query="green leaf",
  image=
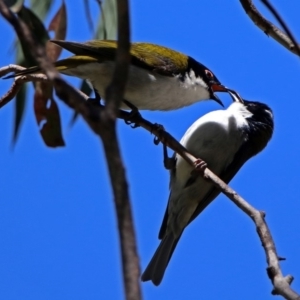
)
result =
(26, 59)
(37, 28)
(41, 7)
(107, 24)
(19, 112)
(20, 102)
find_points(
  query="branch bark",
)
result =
(286, 40)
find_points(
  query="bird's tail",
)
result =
(61, 65)
(160, 260)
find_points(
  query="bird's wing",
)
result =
(149, 56)
(244, 153)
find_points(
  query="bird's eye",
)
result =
(209, 74)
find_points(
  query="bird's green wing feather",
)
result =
(149, 56)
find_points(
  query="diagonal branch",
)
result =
(269, 28)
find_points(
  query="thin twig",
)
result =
(282, 23)
(114, 95)
(18, 82)
(269, 28)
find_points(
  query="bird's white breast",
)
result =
(215, 138)
(146, 89)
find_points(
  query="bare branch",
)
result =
(19, 81)
(268, 28)
(282, 23)
(113, 97)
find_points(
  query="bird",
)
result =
(159, 78)
(225, 140)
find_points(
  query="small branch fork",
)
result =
(286, 38)
(97, 117)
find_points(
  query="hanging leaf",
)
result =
(20, 103)
(59, 26)
(37, 28)
(47, 115)
(51, 127)
(107, 24)
(41, 7)
(19, 112)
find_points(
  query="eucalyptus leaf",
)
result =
(47, 115)
(19, 112)
(59, 25)
(107, 26)
(37, 28)
(41, 7)
(20, 102)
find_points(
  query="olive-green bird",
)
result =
(159, 78)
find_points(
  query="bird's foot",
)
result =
(133, 115)
(96, 100)
(160, 133)
(200, 165)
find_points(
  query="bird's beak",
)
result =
(235, 96)
(216, 87)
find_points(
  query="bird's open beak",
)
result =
(215, 87)
(235, 96)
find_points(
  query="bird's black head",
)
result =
(261, 124)
(214, 85)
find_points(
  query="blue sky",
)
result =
(58, 228)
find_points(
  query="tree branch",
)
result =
(269, 28)
(113, 97)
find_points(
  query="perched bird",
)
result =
(159, 78)
(225, 140)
